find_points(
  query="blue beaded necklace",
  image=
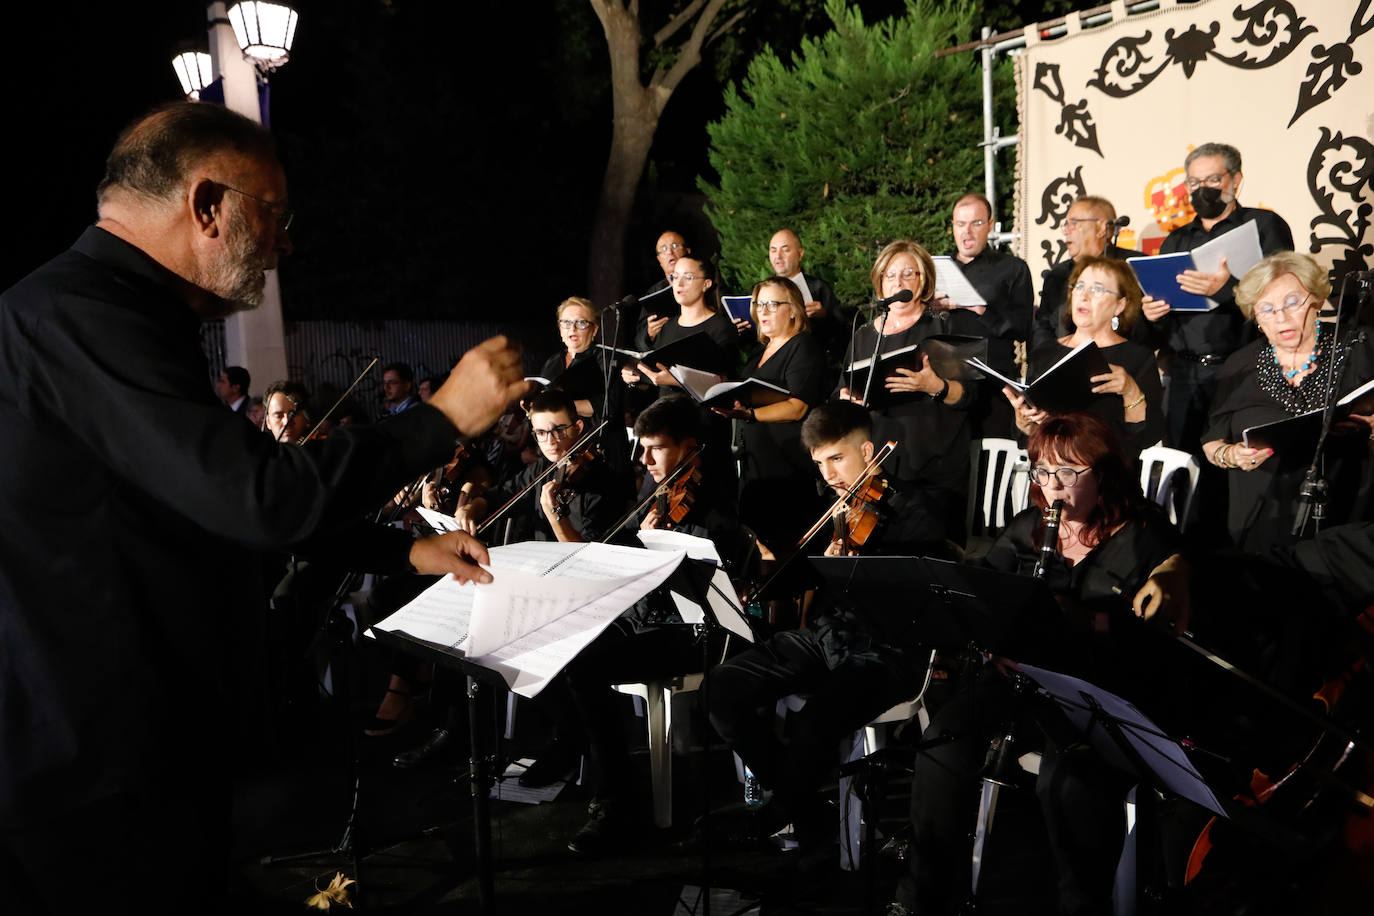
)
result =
(1291, 374)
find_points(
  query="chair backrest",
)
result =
(999, 485)
(1169, 477)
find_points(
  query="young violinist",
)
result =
(852, 663)
(578, 502)
(647, 642)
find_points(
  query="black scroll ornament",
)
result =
(1333, 65)
(1340, 177)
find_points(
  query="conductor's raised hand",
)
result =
(488, 379)
(457, 553)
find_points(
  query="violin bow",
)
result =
(853, 490)
(686, 465)
(347, 392)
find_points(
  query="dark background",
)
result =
(444, 158)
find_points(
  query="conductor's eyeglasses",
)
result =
(558, 432)
(284, 214)
(1067, 477)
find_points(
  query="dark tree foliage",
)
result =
(863, 137)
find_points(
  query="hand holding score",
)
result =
(1153, 309)
(924, 380)
(1204, 284)
(488, 379)
(457, 553)
(1117, 381)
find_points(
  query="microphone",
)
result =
(1120, 222)
(624, 302)
(1050, 544)
(902, 295)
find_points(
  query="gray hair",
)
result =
(1230, 156)
(1257, 279)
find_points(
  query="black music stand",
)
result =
(483, 749)
(952, 606)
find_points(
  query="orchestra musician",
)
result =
(1110, 544)
(929, 418)
(852, 663)
(576, 506)
(649, 641)
(287, 411)
(1288, 372)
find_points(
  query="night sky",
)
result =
(444, 158)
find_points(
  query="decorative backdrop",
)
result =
(1114, 109)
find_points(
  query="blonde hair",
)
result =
(794, 300)
(909, 247)
(582, 302)
(1258, 278)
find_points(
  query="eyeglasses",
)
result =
(673, 278)
(1266, 311)
(1097, 290)
(1212, 181)
(569, 323)
(1075, 220)
(769, 306)
(1067, 477)
(558, 432)
(969, 224)
(671, 246)
(909, 273)
(284, 213)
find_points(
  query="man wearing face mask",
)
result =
(1201, 341)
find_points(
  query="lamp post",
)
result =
(247, 42)
(193, 69)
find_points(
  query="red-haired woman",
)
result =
(1110, 542)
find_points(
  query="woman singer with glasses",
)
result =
(1286, 373)
(580, 370)
(1103, 305)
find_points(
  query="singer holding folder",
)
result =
(926, 414)
(1110, 543)
(1286, 373)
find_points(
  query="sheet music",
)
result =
(951, 283)
(440, 522)
(1240, 246)
(546, 602)
(720, 596)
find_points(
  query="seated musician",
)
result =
(851, 666)
(579, 507)
(1110, 543)
(287, 412)
(648, 642)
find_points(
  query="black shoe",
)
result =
(419, 756)
(607, 829)
(559, 762)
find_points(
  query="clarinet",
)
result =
(1051, 539)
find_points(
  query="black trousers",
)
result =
(1079, 796)
(585, 708)
(839, 700)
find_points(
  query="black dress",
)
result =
(1139, 362)
(718, 461)
(614, 442)
(932, 437)
(777, 494)
(1250, 392)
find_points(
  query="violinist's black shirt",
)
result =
(132, 499)
(600, 501)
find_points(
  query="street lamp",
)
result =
(195, 72)
(264, 32)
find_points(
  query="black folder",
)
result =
(695, 350)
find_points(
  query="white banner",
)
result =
(1113, 110)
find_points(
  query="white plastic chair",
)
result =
(658, 719)
(999, 486)
(1169, 477)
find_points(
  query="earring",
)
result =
(1116, 322)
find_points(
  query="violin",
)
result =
(581, 446)
(446, 476)
(572, 473)
(855, 523)
(672, 504)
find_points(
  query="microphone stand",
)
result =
(877, 345)
(1312, 494)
